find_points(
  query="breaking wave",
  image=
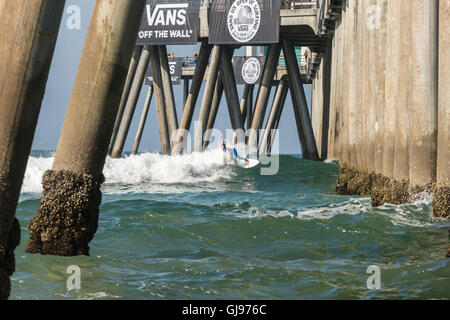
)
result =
(143, 170)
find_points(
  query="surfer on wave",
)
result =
(232, 154)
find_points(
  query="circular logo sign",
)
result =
(251, 70)
(244, 19)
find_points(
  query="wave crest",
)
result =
(143, 169)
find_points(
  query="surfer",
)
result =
(228, 152)
(233, 154)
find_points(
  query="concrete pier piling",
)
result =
(360, 27)
(243, 107)
(244, 102)
(276, 125)
(275, 111)
(402, 116)
(262, 98)
(373, 26)
(321, 103)
(208, 95)
(424, 93)
(171, 110)
(335, 121)
(137, 140)
(343, 92)
(161, 109)
(302, 116)
(392, 84)
(363, 175)
(394, 144)
(27, 42)
(331, 153)
(384, 188)
(131, 104)
(441, 198)
(353, 17)
(217, 98)
(231, 94)
(185, 90)
(380, 97)
(189, 108)
(126, 92)
(68, 215)
(249, 108)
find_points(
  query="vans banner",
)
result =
(175, 66)
(246, 22)
(170, 22)
(248, 70)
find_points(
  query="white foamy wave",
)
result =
(36, 167)
(151, 167)
(143, 171)
(418, 213)
(351, 207)
(332, 161)
(423, 199)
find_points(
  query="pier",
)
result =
(379, 71)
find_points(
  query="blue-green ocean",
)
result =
(190, 227)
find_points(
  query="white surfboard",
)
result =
(247, 164)
(240, 161)
(251, 163)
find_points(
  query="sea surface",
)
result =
(191, 227)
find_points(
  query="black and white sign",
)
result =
(172, 22)
(248, 70)
(175, 66)
(244, 22)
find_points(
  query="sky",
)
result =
(62, 76)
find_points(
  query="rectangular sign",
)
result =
(170, 22)
(248, 22)
(175, 66)
(248, 70)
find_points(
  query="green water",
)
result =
(217, 232)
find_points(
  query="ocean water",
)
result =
(190, 227)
